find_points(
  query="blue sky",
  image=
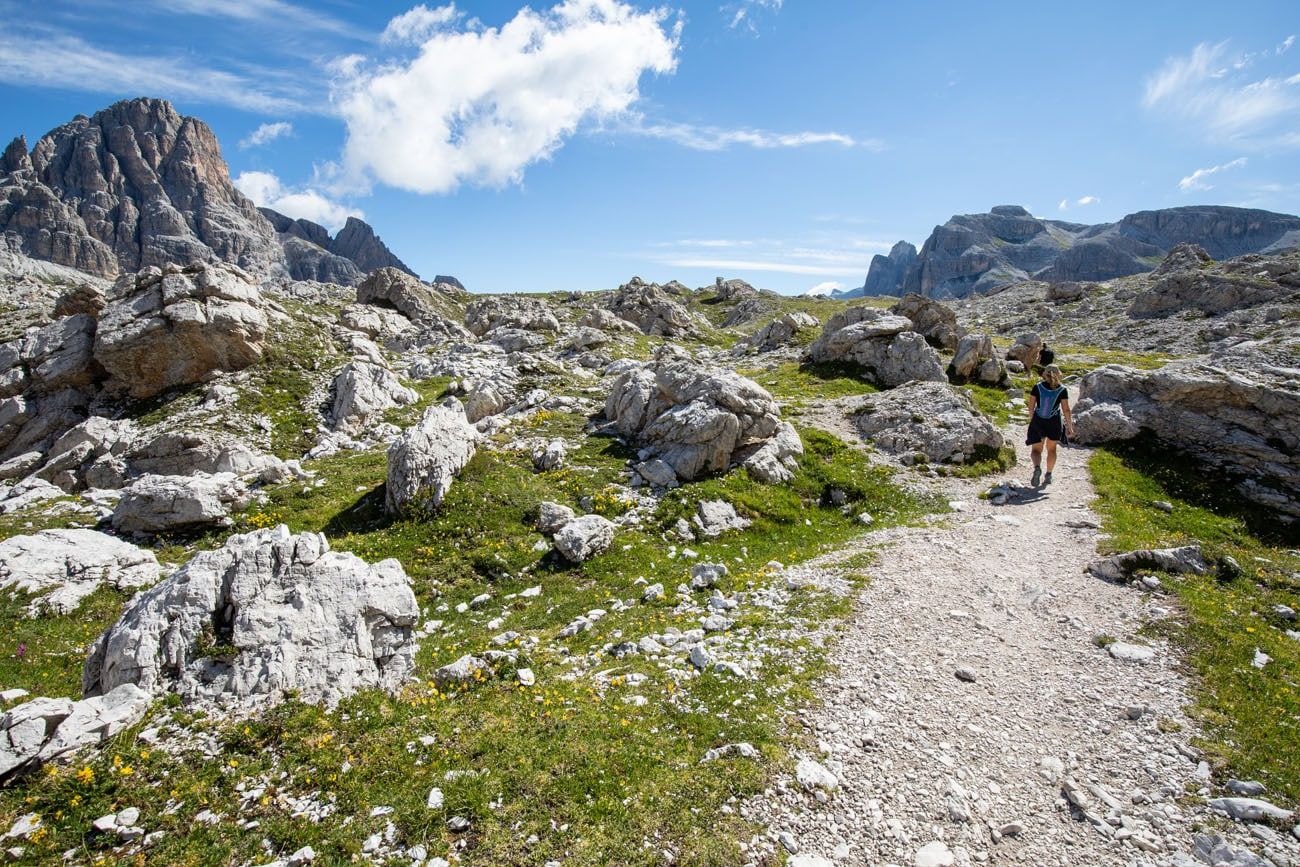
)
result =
(571, 146)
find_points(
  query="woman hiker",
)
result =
(1049, 402)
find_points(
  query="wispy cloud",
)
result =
(266, 133)
(737, 265)
(275, 13)
(306, 203)
(713, 138)
(823, 255)
(419, 23)
(59, 60)
(741, 14)
(1196, 180)
(1210, 89)
(1285, 45)
(1082, 202)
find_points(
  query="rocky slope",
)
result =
(139, 185)
(977, 253)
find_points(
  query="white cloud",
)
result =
(478, 105)
(1087, 200)
(275, 13)
(1063, 205)
(1196, 180)
(711, 138)
(266, 133)
(757, 265)
(741, 13)
(266, 190)
(419, 23)
(52, 59)
(1212, 93)
(825, 288)
(1286, 44)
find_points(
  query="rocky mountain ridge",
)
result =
(977, 253)
(139, 185)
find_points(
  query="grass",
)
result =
(44, 654)
(991, 401)
(1251, 716)
(798, 382)
(281, 382)
(571, 769)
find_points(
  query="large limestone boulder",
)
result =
(160, 504)
(51, 358)
(426, 458)
(63, 567)
(509, 311)
(933, 419)
(185, 453)
(975, 361)
(583, 538)
(46, 729)
(782, 331)
(266, 614)
(1234, 412)
(934, 320)
(1027, 349)
(174, 327)
(362, 391)
(90, 455)
(884, 344)
(419, 302)
(652, 310)
(700, 421)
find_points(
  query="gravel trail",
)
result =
(972, 691)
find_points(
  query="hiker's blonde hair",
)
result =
(1052, 372)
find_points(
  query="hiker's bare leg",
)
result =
(1051, 455)
(1036, 453)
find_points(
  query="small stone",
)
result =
(965, 675)
(103, 823)
(129, 816)
(1163, 505)
(812, 776)
(435, 799)
(526, 676)
(1261, 659)
(788, 842)
(458, 824)
(1150, 582)
(1250, 809)
(935, 854)
(1126, 652)
(1245, 788)
(1011, 829)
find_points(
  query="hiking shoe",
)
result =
(1047, 479)
(1038, 477)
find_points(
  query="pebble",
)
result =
(965, 674)
(936, 854)
(435, 799)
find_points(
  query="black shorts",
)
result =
(1045, 429)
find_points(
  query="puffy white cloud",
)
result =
(1087, 200)
(1196, 180)
(266, 133)
(1213, 92)
(419, 23)
(306, 203)
(479, 104)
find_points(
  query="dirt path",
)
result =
(934, 769)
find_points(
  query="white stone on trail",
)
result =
(809, 861)
(934, 854)
(811, 775)
(1125, 652)
(266, 614)
(62, 567)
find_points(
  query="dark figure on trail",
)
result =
(1049, 404)
(1046, 356)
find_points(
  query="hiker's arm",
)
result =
(1032, 402)
(1065, 412)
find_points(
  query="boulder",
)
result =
(363, 391)
(91, 454)
(1232, 411)
(700, 421)
(160, 504)
(426, 458)
(185, 453)
(605, 320)
(782, 331)
(267, 614)
(975, 361)
(715, 517)
(552, 516)
(584, 538)
(377, 323)
(652, 310)
(62, 567)
(934, 320)
(884, 344)
(509, 311)
(1123, 567)
(418, 301)
(933, 419)
(46, 729)
(550, 457)
(732, 290)
(1026, 349)
(174, 327)
(1067, 290)
(50, 358)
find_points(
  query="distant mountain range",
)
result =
(975, 253)
(138, 184)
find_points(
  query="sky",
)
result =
(576, 144)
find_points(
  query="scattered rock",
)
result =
(158, 504)
(1124, 567)
(583, 538)
(426, 458)
(362, 391)
(715, 517)
(933, 419)
(45, 729)
(65, 566)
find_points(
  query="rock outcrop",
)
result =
(1186, 280)
(160, 504)
(931, 419)
(887, 274)
(1233, 412)
(362, 391)
(423, 462)
(652, 309)
(46, 729)
(699, 421)
(174, 326)
(782, 331)
(63, 567)
(414, 299)
(934, 320)
(267, 614)
(583, 538)
(883, 344)
(133, 186)
(509, 312)
(975, 361)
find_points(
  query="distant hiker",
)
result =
(1049, 402)
(1046, 356)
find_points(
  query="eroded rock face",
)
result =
(49, 359)
(782, 331)
(133, 186)
(698, 421)
(423, 462)
(513, 311)
(583, 538)
(1185, 281)
(934, 320)
(1233, 412)
(651, 309)
(267, 613)
(975, 361)
(46, 729)
(883, 344)
(419, 302)
(173, 327)
(65, 566)
(157, 504)
(1026, 349)
(933, 419)
(363, 391)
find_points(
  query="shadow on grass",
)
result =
(367, 514)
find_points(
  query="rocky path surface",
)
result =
(973, 698)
